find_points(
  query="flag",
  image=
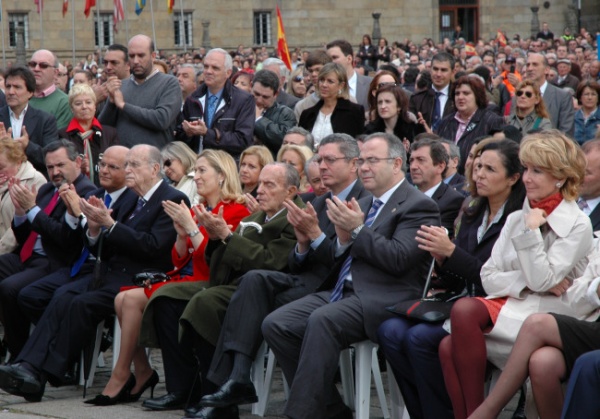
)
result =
(500, 38)
(170, 4)
(118, 14)
(39, 4)
(139, 6)
(470, 49)
(282, 46)
(88, 5)
(65, 7)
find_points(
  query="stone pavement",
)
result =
(67, 402)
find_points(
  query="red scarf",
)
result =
(547, 204)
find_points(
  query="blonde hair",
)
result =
(223, 163)
(540, 108)
(81, 89)
(340, 74)
(264, 155)
(305, 154)
(559, 156)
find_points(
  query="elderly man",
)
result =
(218, 115)
(140, 238)
(30, 127)
(278, 67)
(265, 290)
(376, 263)
(144, 107)
(47, 97)
(186, 77)
(262, 241)
(299, 136)
(564, 78)
(452, 177)
(45, 242)
(273, 120)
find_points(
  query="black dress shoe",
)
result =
(231, 393)
(229, 412)
(170, 401)
(15, 379)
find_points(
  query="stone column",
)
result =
(20, 50)
(572, 19)
(205, 34)
(535, 21)
(376, 35)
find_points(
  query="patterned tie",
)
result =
(338, 291)
(85, 252)
(210, 110)
(140, 204)
(437, 110)
(583, 206)
(27, 249)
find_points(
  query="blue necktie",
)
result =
(85, 252)
(338, 291)
(210, 109)
(437, 110)
(140, 204)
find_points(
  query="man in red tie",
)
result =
(45, 241)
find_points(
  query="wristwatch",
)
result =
(227, 239)
(193, 233)
(355, 232)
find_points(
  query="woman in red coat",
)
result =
(219, 188)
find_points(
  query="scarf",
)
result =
(547, 204)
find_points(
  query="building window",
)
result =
(103, 33)
(15, 20)
(262, 28)
(182, 27)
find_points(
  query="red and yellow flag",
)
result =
(282, 46)
(88, 6)
(500, 38)
(470, 50)
(170, 4)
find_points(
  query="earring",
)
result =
(339, 92)
(558, 185)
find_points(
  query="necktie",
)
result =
(210, 110)
(27, 249)
(338, 290)
(140, 204)
(583, 206)
(85, 252)
(437, 109)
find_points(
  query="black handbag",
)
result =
(145, 279)
(431, 309)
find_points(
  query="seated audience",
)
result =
(393, 115)
(587, 118)
(296, 156)
(530, 113)
(178, 163)
(252, 161)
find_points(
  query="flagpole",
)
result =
(3, 45)
(126, 22)
(72, 30)
(153, 30)
(182, 27)
(99, 23)
(41, 23)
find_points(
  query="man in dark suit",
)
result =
(340, 51)
(428, 162)
(564, 78)
(33, 128)
(140, 238)
(452, 177)
(262, 291)
(46, 243)
(436, 102)
(589, 193)
(34, 298)
(558, 102)
(381, 264)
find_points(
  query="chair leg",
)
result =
(346, 376)
(379, 384)
(116, 342)
(261, 385)
(86, 378)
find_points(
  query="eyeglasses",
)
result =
(34, 64)
(372, 161)
(167, 163)
(387, 83)
(528, 94)
(328, 159)
(298, 79)
(110, 167)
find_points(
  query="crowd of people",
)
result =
(218, 199)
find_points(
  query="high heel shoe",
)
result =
(150, 382)
(122, 397)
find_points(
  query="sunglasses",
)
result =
(167, 163)
(34, 64)
(298, 79)
(388, 83)
(528, 94)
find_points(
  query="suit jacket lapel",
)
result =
(391, 205)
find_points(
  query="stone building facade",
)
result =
(308, 23)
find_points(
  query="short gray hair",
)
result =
(309, 140)
(291, 177)
(348, 145)
(283, 70)
(228, 59)
(454, 149)
(395, 147)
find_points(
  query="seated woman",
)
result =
(219, 189)
(333, 113)
(297, 86)
(252, 161)
(393, 115)
(13, 164)
(411, 347)
(243, 80)
(530, 113)
(178, 165)
(587, 118)
(542, 248)
(381, 79)
(297, 156)
(86, 132)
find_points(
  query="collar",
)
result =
(344, 193)
(352, 80)
(153, 189)
(449, 178)
(115, 195)
(154, 72)
(431, 191)
(74, 125)
(267, 218)
(23, 112)
(46, 92)
(561, 220)
(593, 203)
(444, 91)
(387, 195)
(543, 88)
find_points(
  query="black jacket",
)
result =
(347, 117)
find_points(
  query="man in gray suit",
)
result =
(380, 263)
(341, 52)
(558, 102)
(262, 291)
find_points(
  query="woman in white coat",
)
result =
(541, 251)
